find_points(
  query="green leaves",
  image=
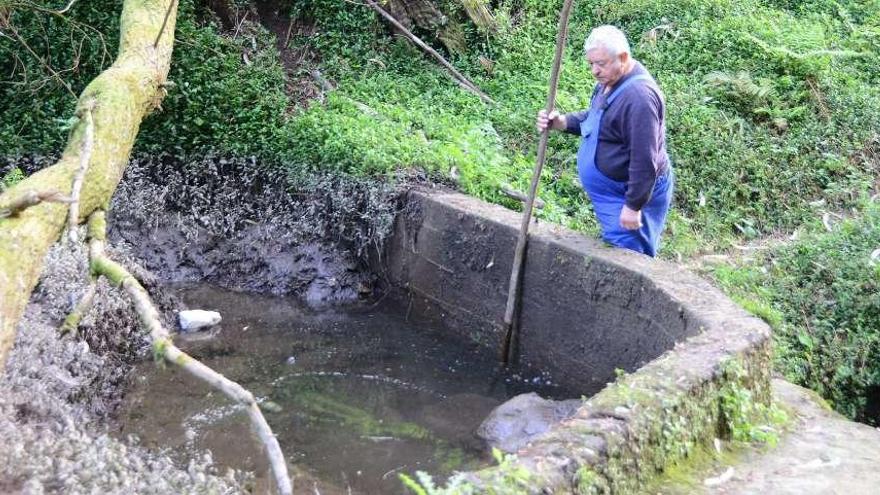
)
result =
(821, 295)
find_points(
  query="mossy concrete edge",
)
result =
(645, 420)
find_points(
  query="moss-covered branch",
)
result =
(122, 96)
(72, 321)
(31, 198)
(163, 347)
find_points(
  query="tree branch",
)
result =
(164, 22)
(163, 346)
(457, 76)
(123, 94)
(32, 198)
(84, 156)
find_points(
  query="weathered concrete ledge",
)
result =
(587, 311)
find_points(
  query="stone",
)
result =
(195, 319)
(521, 419)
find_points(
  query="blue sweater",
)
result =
(632, 138)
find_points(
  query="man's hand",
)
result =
(630, 219)
(554, 120)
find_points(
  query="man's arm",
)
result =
(573, 121)
(642, 121)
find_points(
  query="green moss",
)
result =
(182, 360)
(746, 416)
(98, 226)
(114, 272)
(588, 482)
(160, 347)
(686, 476)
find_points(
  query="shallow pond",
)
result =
(355, 396)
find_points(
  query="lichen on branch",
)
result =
(122, 96)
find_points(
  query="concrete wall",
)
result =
(586, 309)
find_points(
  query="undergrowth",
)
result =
(821, 295)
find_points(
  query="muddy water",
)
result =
(355, 397)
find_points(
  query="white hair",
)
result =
(608, 37)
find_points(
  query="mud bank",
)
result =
(240, 226)
(57, 396)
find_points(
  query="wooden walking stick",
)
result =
(507, 350)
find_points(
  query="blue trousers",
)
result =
(607, 196)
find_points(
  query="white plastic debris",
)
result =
(719, 480)
(194, 319)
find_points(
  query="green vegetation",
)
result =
(773, 120)
(11, 178)
(747, 419)
(508, 478)
(821, 294)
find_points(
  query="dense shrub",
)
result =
(821, 293)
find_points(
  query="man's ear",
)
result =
(624, 57)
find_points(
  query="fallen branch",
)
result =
(521, 196)
(32, 198)
(163, 346)
(71, 323)
(164, 23)
(465, 83)
(85, 155)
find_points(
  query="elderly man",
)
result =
(622, 160)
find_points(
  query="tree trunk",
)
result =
(480, 14)
(120, 97)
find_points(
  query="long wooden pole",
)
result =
(507, 350)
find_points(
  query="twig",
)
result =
(817, 95)
(85, 155)
(240, 23)
(32, 198)
(33, 6)
(521, 196)
(65, 9)
(71, 323)
(287, 38)
(59, 13)
(163, 346)
(42, 62)
(164, 23)
(465, 83)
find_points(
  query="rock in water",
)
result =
(194, 319)
(518, 421)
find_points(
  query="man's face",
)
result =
(606, 68)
